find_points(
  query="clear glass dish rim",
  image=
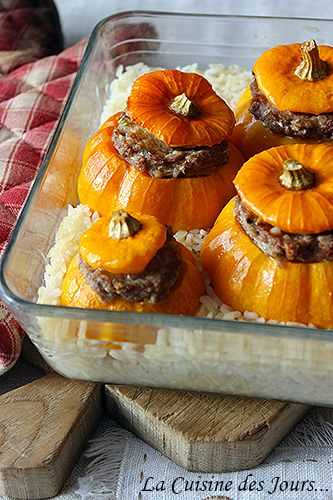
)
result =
(149, 319)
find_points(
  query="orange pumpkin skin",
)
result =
(251, 136)
(248, 280)
(107, 182)
(184, 298)
(151, 95)
(274, 72)
(306, 211)
(98, 250)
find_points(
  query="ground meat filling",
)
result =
(152, 285)
(144, 151)
(276, 243)
(287, 122)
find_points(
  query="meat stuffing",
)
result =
(144, 151)
(287, 122)
(279, 244)
(152, 285)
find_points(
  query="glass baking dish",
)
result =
(194, 353)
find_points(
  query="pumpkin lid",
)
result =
(290, 187)
(180, 108)
(126, 243)
(297, 77)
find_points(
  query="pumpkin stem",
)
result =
(183, 106)
(295, 176)
(311, 67)
(123, 225)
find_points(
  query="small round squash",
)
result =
(291, 189)
(293, 78)
(107, 182)
(180, 108)
(124, 246)
(248, 280)
(308, 210)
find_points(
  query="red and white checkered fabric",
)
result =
(31, 100)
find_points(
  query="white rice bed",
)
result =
(229, 82)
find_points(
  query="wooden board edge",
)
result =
(197, 456)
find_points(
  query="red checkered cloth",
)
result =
(31, 100)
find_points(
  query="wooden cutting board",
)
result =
(204, 432)
(45, 424)
(43, 428)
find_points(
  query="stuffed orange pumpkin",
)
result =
(289, 99)
(271, 249)
(136, 180)
(131, 263)
(180, 108)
